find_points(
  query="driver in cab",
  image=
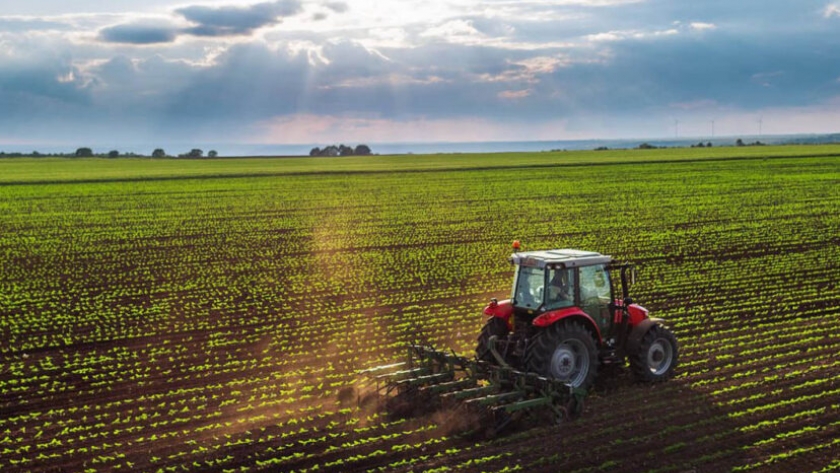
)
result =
(560, 292)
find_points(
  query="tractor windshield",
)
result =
(529, 287)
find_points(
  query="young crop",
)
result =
(186, 316)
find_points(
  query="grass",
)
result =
(45, 170)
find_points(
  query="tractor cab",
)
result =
(552, 280)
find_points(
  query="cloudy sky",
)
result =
(85, 72)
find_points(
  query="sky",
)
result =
(88, 72)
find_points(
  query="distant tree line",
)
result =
(332, 150)
(79, 153)
(86, 152)
(341, 150)
(195, 153)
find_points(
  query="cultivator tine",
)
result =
(470, 393)
(431, 379)
(495, 398)
(402, 374)
(383, 368)
(451, 386)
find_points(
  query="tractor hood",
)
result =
(502, 309)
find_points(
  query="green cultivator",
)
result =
(432, 379)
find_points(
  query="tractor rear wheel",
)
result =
(657, 355)
(494, 326)
(564, 351)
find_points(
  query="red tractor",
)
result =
(570, 312)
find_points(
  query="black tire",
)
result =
(657, 355)
(564, 351)
(494, 326)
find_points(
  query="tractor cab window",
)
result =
(595, 293)
(528, 291)
(561, 289)
(594, 283)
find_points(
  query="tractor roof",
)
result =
(567, 258)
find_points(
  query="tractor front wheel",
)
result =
(494, 326)
(564, 351)
(657, 355)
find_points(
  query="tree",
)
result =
(113, 153)
(341, 150)
(345, 150)
(740, 142)
(212, 153)
(195, 153)
(158, 153)
(709, 144)
(84, 153)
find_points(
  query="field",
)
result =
(183, 316)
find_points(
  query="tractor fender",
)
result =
(638, 314)
(639, 332)
(548, 318)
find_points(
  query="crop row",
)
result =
(220, 323)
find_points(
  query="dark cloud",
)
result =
(208, 22)
(118, 70)
(338, 7)
(254, 82)
(142, 85)
(748, 16)
(139, 34)
(763, 71)
(227, 21)
(37, 91)
(248, 81)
